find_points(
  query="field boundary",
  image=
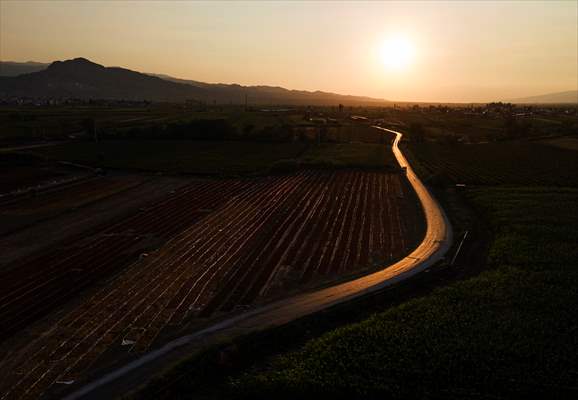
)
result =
(436, 243)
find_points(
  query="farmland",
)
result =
(32, 124)
(506, 333)
(565, 142)
(512, 163)
(231, 243)
(481, 123)
(270, 206)
(199, 157)
(56, 122)
(350, 155)
(288, 200)
(18, 212)
(29, 218)
(19, 171)
(204, 157)
(236, 223)
(41, 283)
(37, 123)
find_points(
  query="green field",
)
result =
(28, 124)
(507, 333)
(19, 171)
(350, 155)
(204, 157)
(513, 163)
(218, 157)
(438, 124)
(474, 126)
(34, 123)
(565, 142)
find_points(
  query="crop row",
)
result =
(272, 233)
(41, 283)
(509, 332)
(511, 163)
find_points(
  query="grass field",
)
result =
(34, 123)
(219, 157)
(475, 127)
(19, 171)
(565, 142)
(350, 155)
(212, 157)
(513, 163)
(508, 332)
(49, 122)
(28, 123)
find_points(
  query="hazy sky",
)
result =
(462, 50)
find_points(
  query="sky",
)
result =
(457, 51)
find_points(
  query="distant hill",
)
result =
(275, 94)
(10, 68)
(81, 78)
(570, 96)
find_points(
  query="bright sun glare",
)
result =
(397, 53)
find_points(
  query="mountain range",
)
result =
(81, 78)
(10, 68)
(570, 96)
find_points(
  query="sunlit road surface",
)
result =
(435, 245)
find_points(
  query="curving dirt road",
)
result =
(436, 243)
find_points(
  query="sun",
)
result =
(397, 53)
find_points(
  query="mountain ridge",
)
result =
(14, 68)
(233, 92)
(82, 78)
(568, 96)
